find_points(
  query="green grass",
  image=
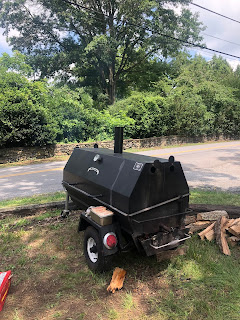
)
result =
(36, 199)
(49, 264)
(204, 284)
(199, 196)
(128, 301)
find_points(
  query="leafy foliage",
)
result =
(195, 98)
(79, 121)
(23, 119)
(97, 42)
(189, 97)
(150, 113)
(36, 113)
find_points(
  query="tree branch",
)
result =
(137, 63)
(44, 28)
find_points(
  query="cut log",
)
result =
(190, 219)
(210, 235)
(117, 280)
(233, 241)
(232, 222)
(212, 215)
(202, 234)
(235, 230)
(169, 254)
(229, 223)
(220, 235)
(199, 225)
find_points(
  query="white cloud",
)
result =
(221, 27)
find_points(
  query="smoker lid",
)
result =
(126, 155)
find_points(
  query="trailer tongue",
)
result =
(148, 197)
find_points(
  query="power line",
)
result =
(157, 33)
(219, 14)
(236, 44)
(209, 54)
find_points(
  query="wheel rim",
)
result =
(92, 255)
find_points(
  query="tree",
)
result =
(97, 41)
(24, 118)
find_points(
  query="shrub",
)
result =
(24, 121)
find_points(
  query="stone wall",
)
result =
(27, 153)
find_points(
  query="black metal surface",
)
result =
(118, 140)
(145, 193)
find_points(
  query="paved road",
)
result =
(24, 181)
(209, 166)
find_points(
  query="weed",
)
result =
(128, 301)
(16, 316)
(113, 314)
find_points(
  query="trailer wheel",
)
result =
(93, 251)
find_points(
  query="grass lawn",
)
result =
(51, 280)
(200, 196)
(197, 196)
(36, 199)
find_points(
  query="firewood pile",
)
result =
(216, 225)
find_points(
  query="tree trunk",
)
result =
(112, 85)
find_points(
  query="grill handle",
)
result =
(174, 242)
(94, 195)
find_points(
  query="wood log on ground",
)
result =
(117, 280)
(232, 222)
(169, 254)
(235, 230)
(210, 235)
(212, 215)
(220, 235)
(233, 241)
(205, 231)
(199, 225)
(229, 223)
(190, 219)
(233, 211)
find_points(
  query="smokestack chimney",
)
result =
(118, 140)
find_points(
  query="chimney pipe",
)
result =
(118, 140)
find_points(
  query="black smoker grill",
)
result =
(148, 196)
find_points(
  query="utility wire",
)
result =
(208, 35)
(205, 53)
(219, 14)
(154, 32)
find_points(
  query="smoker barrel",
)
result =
(147, 194)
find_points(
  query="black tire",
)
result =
(95, 260)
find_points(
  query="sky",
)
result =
(220, 27)
(215, 26)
